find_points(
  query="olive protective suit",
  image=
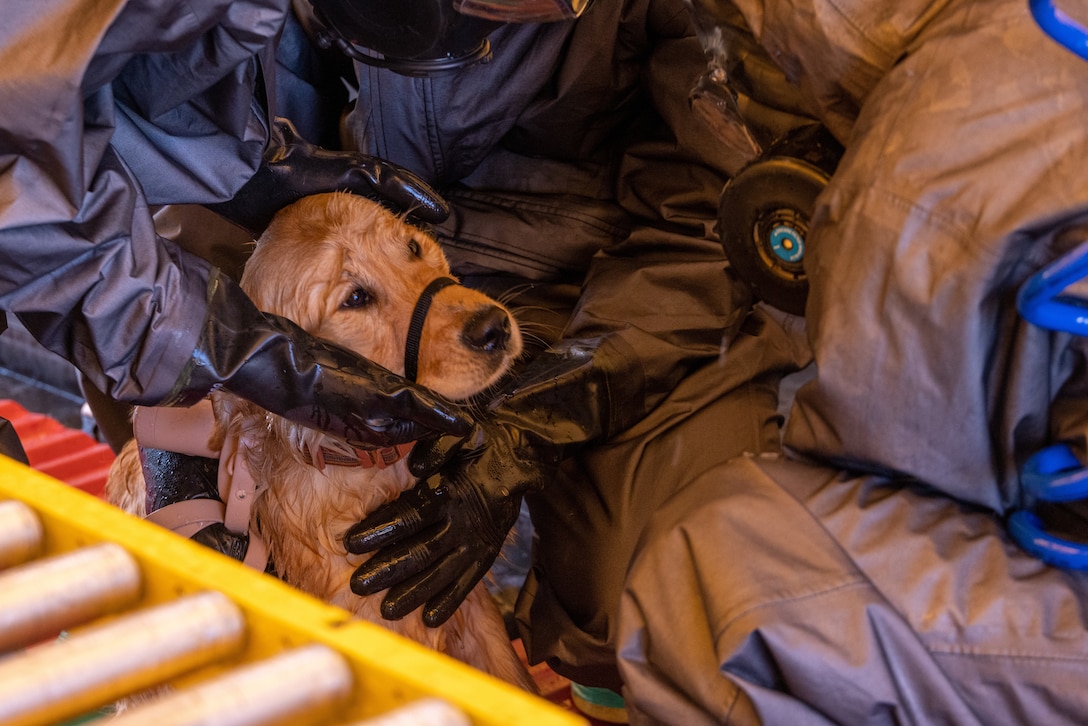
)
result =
(869, 577)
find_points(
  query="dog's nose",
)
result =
(488, 330)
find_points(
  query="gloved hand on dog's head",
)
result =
(294, 168)
(441, 537)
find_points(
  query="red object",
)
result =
(71, 456)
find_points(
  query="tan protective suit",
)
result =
(868, 577)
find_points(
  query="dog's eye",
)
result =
(414, 248)
(357, 299)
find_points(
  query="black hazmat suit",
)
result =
(111, 109)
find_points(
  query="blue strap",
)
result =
(1041, 300)
(1055, 474)
(1060, 26)
(1027, 529)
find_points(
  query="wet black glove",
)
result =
(275, 364)
(294, 168)
(462, 515)
(437, 540)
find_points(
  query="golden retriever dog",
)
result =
(347, 270)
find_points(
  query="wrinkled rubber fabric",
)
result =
(567, 610)
(294, 168)
(589, 169)
(961, 179)
(786, 592)
(98, 124)
(775, 591)
(836, 51)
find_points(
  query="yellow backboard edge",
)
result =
(389, 670)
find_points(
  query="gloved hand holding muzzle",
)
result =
(436, 541)
(277, 365)
(294, 168)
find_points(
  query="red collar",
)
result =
(330, 453)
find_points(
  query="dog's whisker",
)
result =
(509, 294)
(535, 326)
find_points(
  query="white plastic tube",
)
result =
(103, 663)
(424, 712)
(43, 597)
(301, 686)
(20, 533)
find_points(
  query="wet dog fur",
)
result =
(347, 270)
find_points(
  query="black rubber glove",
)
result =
(436, 541)
(294, 168)
(465, 514)
(275, 364)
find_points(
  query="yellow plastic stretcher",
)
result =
(97, 605)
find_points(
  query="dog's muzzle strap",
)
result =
(415, 328)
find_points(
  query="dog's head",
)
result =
(348, 270)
